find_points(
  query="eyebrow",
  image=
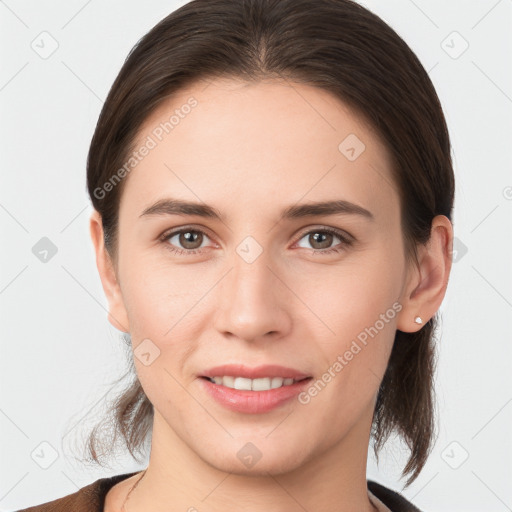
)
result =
(180, 207)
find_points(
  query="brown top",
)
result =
(91, 498)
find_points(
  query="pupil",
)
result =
(325, 236)
(188, 238)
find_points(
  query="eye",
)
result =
(190, 239)
(322, 238)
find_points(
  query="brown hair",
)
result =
(337, 46)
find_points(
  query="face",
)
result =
(260, 280)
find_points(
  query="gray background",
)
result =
(59, 353)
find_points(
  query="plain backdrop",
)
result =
(59, 354)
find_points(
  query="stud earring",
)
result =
(418, 320)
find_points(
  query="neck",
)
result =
(176, 477)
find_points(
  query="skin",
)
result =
(251, 150)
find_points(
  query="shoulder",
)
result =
(391, 499)
(90, 498)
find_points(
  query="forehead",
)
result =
(264, 144)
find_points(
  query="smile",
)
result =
(259, 384)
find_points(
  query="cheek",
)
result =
(353, 295)
(161, 304)
(353, 363)
(358, 308)
(164, 321)
(158, 295)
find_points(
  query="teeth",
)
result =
(228, 381)
(261, 384)
(243, 383)
(277, 382)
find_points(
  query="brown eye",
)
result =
(185, 240)
(321, 240)
(189, 239)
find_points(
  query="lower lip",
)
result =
(253, 402)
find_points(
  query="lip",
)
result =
(252, 402)
(267, 370)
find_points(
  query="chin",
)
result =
(258, 457)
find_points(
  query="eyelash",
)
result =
(345, 240)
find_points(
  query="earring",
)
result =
(418, 320)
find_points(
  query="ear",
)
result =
(117, 315)
(426, 282)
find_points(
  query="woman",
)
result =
(273, 188)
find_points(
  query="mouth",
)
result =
(253, 390)
(259, 384)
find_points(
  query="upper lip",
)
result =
(267, 370)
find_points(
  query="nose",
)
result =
(253, 300)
